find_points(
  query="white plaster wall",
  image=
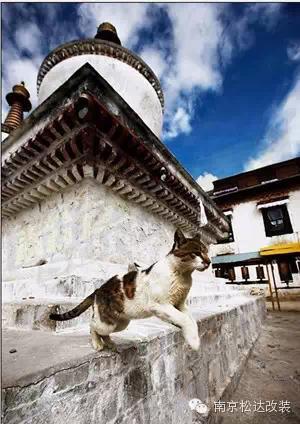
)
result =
(88, 221)
(132, 86)
(249, 230)
(249, 233)
(294, 210)
(3, 136)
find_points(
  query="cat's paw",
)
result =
(194, 343)
(109, 344)
(192, 340)
(98, 345)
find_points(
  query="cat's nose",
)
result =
(207, 263)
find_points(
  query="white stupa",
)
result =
(127, 73)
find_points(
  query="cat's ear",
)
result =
(179, 237)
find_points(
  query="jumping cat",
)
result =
(160, 290)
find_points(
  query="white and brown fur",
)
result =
(160, 290)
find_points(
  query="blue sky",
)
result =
(230, 72)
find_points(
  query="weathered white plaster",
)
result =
(128, 83)
(87, 221)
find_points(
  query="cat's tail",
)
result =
(78, 310)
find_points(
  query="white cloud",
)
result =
(180, 123)
(28, 38)
(293, 51)
(206, 180)
(282, 140)
(202, 45)
(154, 58)
(197, 34)
(25, 48)
(128, 18)
(265, 13)
(189, 57)
(16, 68)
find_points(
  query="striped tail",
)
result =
(78, 310)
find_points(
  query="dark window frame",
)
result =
(230, 238)
(283, 225)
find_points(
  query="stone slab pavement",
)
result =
(36, 350)
(272, 373)
(28, 356)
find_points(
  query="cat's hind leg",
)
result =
(121, 325)
(107, 341)
(100, 332)
(97, 342)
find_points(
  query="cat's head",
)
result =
(190, 253)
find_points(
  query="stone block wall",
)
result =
(149, 381)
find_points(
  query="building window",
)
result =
(230, 237)
(277, 220)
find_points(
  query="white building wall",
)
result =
(86, 227)
(88, 222)
(249, 230)
(132, 86)
(249, 233)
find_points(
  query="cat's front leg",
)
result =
(193, 324)
(169, 313)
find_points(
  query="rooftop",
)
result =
(258, 179)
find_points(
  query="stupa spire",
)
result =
(18, 100)
(106, 31)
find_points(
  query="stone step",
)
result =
(58, 280)
(70, 286)
(210, 298)
(33, 314)
(76, 286)
(216, 287)
(58, 377)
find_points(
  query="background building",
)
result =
(263, 207)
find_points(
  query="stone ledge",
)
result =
(150, 380)
(33, 314)
(79, 278)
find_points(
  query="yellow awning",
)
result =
(280, 249)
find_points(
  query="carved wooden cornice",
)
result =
(85, 139)
(103, 48)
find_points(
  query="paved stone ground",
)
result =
(272, 372)
(286, 305)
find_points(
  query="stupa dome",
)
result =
(126, 72)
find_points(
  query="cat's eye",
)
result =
(193, 255)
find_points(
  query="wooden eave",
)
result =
(89, 131)
(252, 192)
